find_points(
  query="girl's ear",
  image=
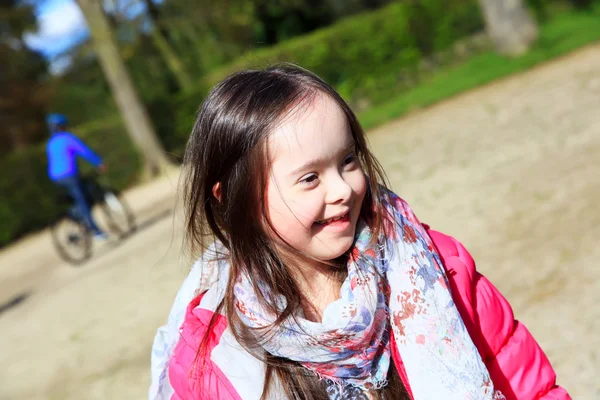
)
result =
(216, 190)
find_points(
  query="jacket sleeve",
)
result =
(167, 336)
(82, 150)
(517, 364)
(195, 376)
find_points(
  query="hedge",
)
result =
(364, 53)
(361, 56)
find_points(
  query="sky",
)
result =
(60, 26)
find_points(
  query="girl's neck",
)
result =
(320, 285)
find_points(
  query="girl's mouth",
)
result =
(335, 221)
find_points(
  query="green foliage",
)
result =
(23, 94)
(81, 95)
(359, 55)
(148, 70)
(26, 198)
(362, 56)
(363, 53)
(175, 117)
(544, 9)
(560, 35)
(539, 9)
(583, 4)
(436, 24)
(29, 199)
(22, 97)
(16, 18)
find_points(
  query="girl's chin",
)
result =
(340, 249)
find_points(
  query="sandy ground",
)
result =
(511, 169)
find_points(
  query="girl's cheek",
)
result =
(309, 208)
(301, 216)
(360, 183)
(289, 217)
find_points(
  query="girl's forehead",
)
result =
(310, 130)
(308, 121)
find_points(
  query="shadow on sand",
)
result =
(15, 301)
(141, 226)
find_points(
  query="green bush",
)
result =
(437, 24)
(544, 9)
(29, 199)
(358, 51)
(361, 56)
(174, 117)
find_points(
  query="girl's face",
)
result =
(316, 185)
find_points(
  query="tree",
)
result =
(160, 37)
(24, 93)
(582, 3)
(126, 20)
(509, 25)
(134, 114)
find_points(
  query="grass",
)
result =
(558, 36)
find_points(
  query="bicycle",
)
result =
(70, 234)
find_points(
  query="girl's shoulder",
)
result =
(458, 262)
(518, 366)
(187, 381)
(203, 274)
(220, 368)
(468, 286)
(197, 320)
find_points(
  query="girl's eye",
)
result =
(309, 179)
(350, 159)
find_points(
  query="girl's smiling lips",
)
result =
(338, 223)
(338, 217)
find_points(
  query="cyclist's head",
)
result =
(56, 122)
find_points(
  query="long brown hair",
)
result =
(228, 147)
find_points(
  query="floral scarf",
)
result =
(398, 283)
(400, 277)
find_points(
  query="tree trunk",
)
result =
(160, 39)
(509, 25)
(134, 114)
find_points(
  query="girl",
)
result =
(320, 282)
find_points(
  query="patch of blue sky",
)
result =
(61, 25)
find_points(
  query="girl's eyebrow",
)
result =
(317, 162)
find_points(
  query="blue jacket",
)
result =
(62, 149)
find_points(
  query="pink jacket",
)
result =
(517, 365)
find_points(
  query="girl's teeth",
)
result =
(331, 219)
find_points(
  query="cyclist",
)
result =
(62, 150)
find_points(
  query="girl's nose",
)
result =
(338, 190)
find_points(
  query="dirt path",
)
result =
(512, 170)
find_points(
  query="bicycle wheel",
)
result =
(72, 240)
(119, 217)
